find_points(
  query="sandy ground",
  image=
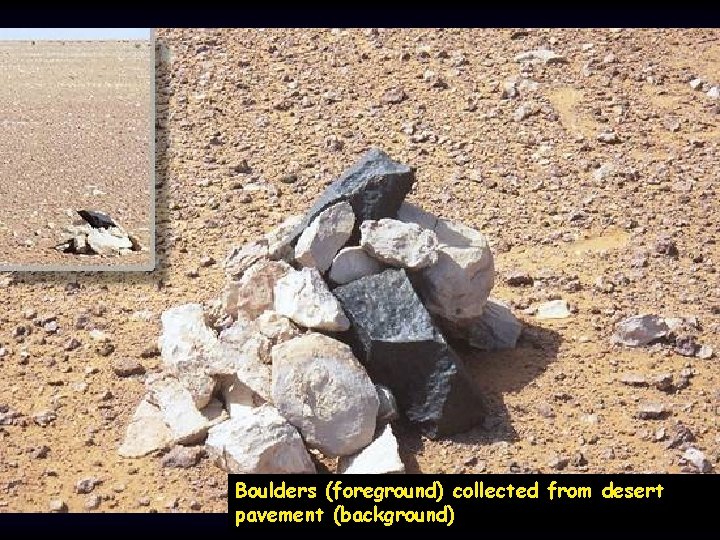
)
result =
(76, 123)
(291, 110)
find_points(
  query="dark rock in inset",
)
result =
(375, 186)
(97, 220)
(402, 349)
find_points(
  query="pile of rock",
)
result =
(330, 327)
(97, 234)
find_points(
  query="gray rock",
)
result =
(321, 388)
(640, 330)
(126, 367)
(352, 263)
(696, 83)
(375, 186)
(554, 309)
(304, 297)
(328, 232)
(396, 243)
(497, 328)
(183, 457)
(57, 506)
(387, 410)
(402, 349)
(382, 456)
(260, 442)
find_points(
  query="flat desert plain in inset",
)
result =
(76, 128)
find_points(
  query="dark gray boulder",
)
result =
(401, 348)
(375, 186)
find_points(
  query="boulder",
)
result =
(280, 239)
(375, 186)
(146, 432)
(186, 423)
(108, 241)
(382, 456)
(261, 442)
(188, 348)
(640, 330)
(458, 284)
(402, 349)
(497, 328)
(352, 263)
(321, 388)
(253, 293)
(328, 232)
(243, 257)
(393, 242)
(304, 297)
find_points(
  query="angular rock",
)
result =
(352, 263)
(651, 411)
(387, 410)
(186, 423)
(214, 412)
(497, 328)
(260, 442)
(382, 456)
(96, 220)
(640, 330)
(375, 186)
(280, 239)
(254, 292)
(146, 432)
(393, 242)
(108, 241)
(188, 348)
(126, 367)
(328, 232)
(401, 348)
(243, 257)
(554, 309)
(304, 297)
(321, 388)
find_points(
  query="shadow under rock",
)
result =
(496, 373)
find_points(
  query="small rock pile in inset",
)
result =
(97, 234)
(329, 328)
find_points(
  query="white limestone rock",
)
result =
(405, 245)
(328, 232)
(260, 442)
(322, 389)
(243, 257)
(352, 263)
(304, 297)
(146, 433)
(186, 423)
(382, 456)
(253, 294)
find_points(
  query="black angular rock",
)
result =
(97, 220)
(401, 348)
(375, 186)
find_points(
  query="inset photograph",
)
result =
(77, 149)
